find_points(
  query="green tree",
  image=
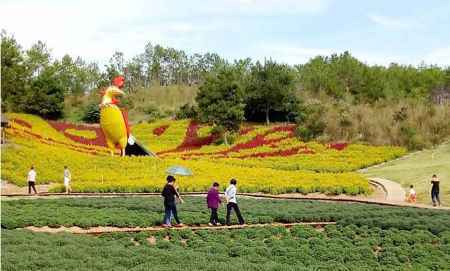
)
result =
(270, 87)
(44, 96)
(13, 72)
(221, 101)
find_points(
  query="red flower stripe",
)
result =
(246, 130)
(338, 146)
(50, 141)
(283, 153)
(62, 127)
(22, 123)
(160, 130)
(192, 140)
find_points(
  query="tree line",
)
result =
(34, 81)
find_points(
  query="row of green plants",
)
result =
(148, 211)
(269, 248)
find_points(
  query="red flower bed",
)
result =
(246, 130)
(62, 127)
(22, 123)
(338, 146)
(192, 140)
(160, 130)
(284, 153)
(50, 141)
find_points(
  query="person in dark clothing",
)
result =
(170, 195)
(213, 201)
(230, 195)
(435, 190)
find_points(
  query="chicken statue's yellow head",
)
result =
(109, 95)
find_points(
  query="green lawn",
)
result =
(417, 170)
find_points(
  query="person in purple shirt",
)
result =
(213, 201)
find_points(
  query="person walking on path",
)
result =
(170, 195)
(213, 201)
(435, 190)
(31, 180)
(67, 178)
(230, 196)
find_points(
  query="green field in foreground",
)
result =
(366, 237)
(417, 169)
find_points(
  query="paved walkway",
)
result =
(394, 191)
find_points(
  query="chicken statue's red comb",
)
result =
(118, 81)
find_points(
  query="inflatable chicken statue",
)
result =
(114, 122)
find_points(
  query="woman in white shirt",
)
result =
(230, 196)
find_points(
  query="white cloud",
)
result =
(292, 54)
(438, 56)
(269, 7)
(393, 23)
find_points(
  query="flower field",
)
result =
(265, 159)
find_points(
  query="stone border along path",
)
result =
(102, 230)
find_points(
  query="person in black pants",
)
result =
(435, 190)
(31, 180)
(230, 196)
(170, 207)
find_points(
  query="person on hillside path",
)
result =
(412, 195)
(435, 190)
(170, 195)
(230, 196)
(213, 201)
(67, 178)
(32, 180)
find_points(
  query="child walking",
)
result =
(412, 195)
(213, 201)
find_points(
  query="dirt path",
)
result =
(101, 230)
(11, 189)
(385, 193)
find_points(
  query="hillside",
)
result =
(263, 158)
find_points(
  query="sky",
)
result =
(290, 31)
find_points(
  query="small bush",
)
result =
(186, 112)
(91, 114)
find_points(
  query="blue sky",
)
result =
(291, 31)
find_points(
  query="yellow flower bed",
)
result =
(146, 174)
(170, 139)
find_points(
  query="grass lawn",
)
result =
(417, 170)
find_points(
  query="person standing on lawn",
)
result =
(213, 201)
(31, 180)
(67, 178)
(230, 196)
(435, 190)
(170, 195)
